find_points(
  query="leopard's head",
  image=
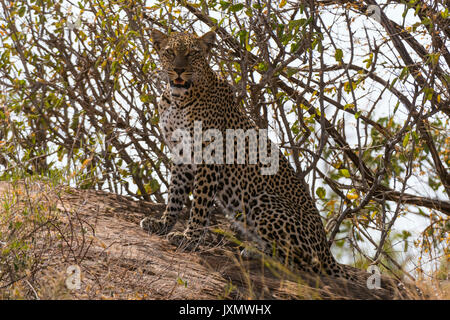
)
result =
(184, 57)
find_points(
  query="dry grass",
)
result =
(45, 229)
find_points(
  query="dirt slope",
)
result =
(99, 232)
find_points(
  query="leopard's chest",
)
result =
(173, 120)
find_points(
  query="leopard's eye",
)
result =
(169, 53)
(193, 53)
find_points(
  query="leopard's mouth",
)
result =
(180, 83)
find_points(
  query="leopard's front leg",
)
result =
(181, 181)
(205, 188)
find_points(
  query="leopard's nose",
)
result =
(179, 71)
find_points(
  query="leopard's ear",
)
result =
(208, 40)
(158, 38)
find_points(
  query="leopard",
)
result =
(276, 210)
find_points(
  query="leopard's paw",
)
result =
(183, 241)
(155, 226)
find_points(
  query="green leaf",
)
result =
(224, 4)
(247, 46)
(154, 185)
(345, 173)
(393, 83)
(406, 140)
(145, 98)
(428, 93)
(113, 67)
(182, 282)
(404, 73)
(22, 11)
(291, 71)
(321, 192)
(396, 106)
(348, 87)
(368, 61)
(349, 105)
(338, 55)
(262, 66)
(237, 7)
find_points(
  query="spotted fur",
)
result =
(276, 209)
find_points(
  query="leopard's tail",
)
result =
(377, 285)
